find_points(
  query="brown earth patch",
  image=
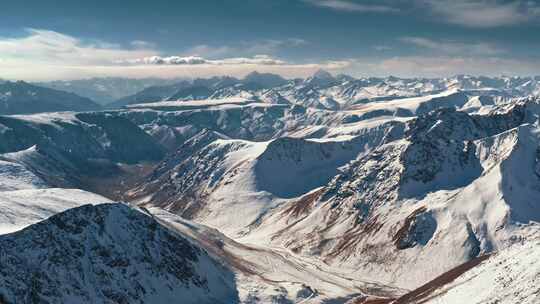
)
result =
(303, 205)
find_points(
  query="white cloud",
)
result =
(483, 13)
(350, 6)
(454, 47)
(47, 55)
(197, 60)
(55, 48)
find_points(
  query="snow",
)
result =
(192, 104)
(450, 98)
(509, 276)
(14, 176)
(22, 208)
(48, 118)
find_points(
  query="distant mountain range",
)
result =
(325, 91)
(23, 98)
(106, 90)
(321, 90)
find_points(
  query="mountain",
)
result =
(426, 188)
(324, 91)
(108, 89)
(80, 255)
(24, 98)
(97, 151)
(388, 187)
(192, 93)
(149, 94)
(321, 79)
(265, 80)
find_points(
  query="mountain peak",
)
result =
(322, 74)
(266, 80)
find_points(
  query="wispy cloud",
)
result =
(454, 47)
(44, 55)
(56, 48)
(483, 13)
(350, 6)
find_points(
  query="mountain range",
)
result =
(329, 189)
(24, 98)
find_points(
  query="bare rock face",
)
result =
(418, 228)
(537, 168)
(107, 253)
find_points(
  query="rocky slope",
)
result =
(80, 256)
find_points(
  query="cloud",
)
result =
(454, 47)
(49, 55)
(55, 48)
(197, 60)
(350, 6)
(483, 13)
(442, 66)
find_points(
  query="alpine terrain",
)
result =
(328, 189)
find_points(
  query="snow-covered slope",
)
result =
(21, 208)
(509, 276)
(14, 176)
(448, 192)
(198, 180)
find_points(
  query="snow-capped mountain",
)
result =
(24, 98)
(265, 80)
(316, 190)
(325, 91)
(401, 186)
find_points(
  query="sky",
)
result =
(49, 40)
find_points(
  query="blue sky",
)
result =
(41, 40)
